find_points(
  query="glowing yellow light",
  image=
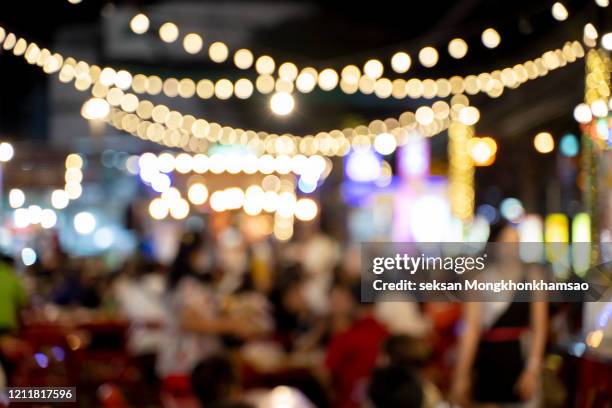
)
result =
(95, 108)
(559, 11)
(582, 113)
(482, 151)
(424, 115)
(74, 190)
(139, 23)
(158, 209)
(469, 115)
(594, 338)
(123, 79)
(306, 209)
(243, 58)
(490, 38)
(264, 65)
(457, 48)
(218, 51)
(168, 32)
(373, 69)
(385, 143)
(282, 103)
(400, 62)
(179, 209)
(544, 142)
(288, 71)
(243, 88)
(197, 194)
(192, 43)
(224, 89)
(306, 82)
(428, 57)
(328, 79)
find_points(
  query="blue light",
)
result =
(488, 212)
(58, 353)
(306, 186)
(569, 145)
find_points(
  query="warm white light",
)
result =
(457, 48)
(582, 113)
(243, 58)
(602, 3)
(59, 199)
(180, 209)
(158, 209)
(34, 214)
(16, 198)
(606, 41)
(400, 62)
(599, 108)
(84, 223)
(328, 79)
(373, 69)
(424, 115)
(282, 103)
(168, 32)
(306, 209)
(544, 142)
(385, 143)
(590, 32)
(21, 218)
(48, 218)
(6, 151)
(428, 57)
(305, 82)
(559, 11)
(197, 194)
(218, 52)
(192, 43)
(469, 115)
(490, 38)
(95, 108)
(139, 23)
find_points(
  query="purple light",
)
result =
(58, 353)
(42, 360)
(413, 158)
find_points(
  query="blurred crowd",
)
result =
(233, 322)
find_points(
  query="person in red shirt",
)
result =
(352, 353)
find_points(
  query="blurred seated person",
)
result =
(291, 315)
(194, 323)
(216, 383)
(413, 354)
(76, 288)
(352, 352)
(139, 293)
(13, 298)
(395, 386)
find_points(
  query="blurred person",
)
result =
(13, 298)
(395, 386)
(216, 383)
(194, 322)
(139, 293)
(352, 353)
(492, 367)
(412, 353)
(77, 287)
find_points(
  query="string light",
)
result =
(282, 103)
(192, 43)
(168, 32)
(139, 23)
(544, 142)
(400, 62)
(428, 57)
(559, 11)
(457, 48)
(490, 38)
